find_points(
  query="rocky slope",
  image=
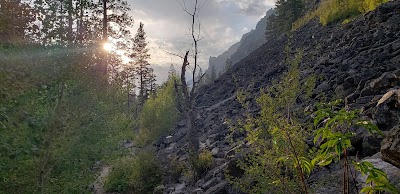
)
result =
(358, 62)
(248, 43)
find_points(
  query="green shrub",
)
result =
(274, 159)
(203, 162)
(118, 179)
(159, 114)
(331, 11)
(138, 175)
(336, 10)
(176, 168)
(334, 136)
(370, 5)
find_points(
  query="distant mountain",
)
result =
(249, 43)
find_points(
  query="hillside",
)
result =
(358, 62)
(247, 44)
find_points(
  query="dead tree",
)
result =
(188, 109)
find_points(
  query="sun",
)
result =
(108, 46)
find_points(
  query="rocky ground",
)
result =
(358, 62)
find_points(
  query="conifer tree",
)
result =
(213, 74)
(228, 64)
(152, 82)
(287, 12)
(172, 72)
(142, 66)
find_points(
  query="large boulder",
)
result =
(391, 147)
(392, 172)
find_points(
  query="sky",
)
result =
(167, 25)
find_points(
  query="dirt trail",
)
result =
(99, 184)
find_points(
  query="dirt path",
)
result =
(99, 184)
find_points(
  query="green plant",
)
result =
(331, 11)
(118, 179)
(370, 5)
(275, 160)
(55, 123)
(334, 136)
(140, 174)
(203, 162)
(159, 114)
(176, 168)
(376, 179)
(336, 10)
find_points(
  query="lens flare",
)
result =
(108, 46)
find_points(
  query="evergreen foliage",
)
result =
(213, 74)
(287, 12)
(142, 66)
(228, 64)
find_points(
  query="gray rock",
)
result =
(210, 183)
(391, 147)
(159, 189)
(220, 187)
(325, 86)
(371, 145)
(392, 172)
(197, 191)
(214, 151)
(168, 139)
(180, 187)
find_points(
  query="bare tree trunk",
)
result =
(189, 109)
(128, 84)
(188, 95)
(105, 35)
(70, 22)
(103, 67)
(80, 24)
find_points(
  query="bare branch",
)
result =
(200, 78)
(173, 54)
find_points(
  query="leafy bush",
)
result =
(275, 160)
(335, 136)
(331, 11)
(159, 114)
(334, 10)
(118, 179)
(370, 5)
(138, 175)
(203, 162)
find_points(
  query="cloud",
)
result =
(223, 22)
(251, 7)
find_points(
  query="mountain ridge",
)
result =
(247, 44)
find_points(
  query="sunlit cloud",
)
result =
(223, 22)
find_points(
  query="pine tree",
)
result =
(143, 71)
(152, 82)
(213, 74)
(287, 12)
(171, 72)
(228, 64)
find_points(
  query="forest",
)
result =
(312, 110)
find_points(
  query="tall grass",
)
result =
(332, 11)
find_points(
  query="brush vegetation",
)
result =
(332, 11)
